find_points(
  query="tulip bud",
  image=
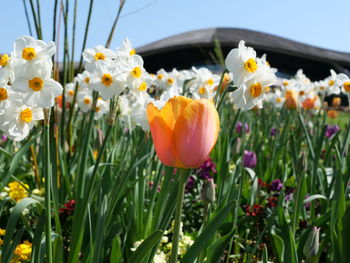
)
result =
(208, 191)
(249, 159)
(312, 243)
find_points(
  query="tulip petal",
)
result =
(196, 132)
(162, 123)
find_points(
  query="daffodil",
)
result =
(242, 63)
(93, 56)
(105, 80)
(102, 107)
(251, 92)
(19, 120)
(84, 100)
(126, 50)
(38, 89)
(31, 53)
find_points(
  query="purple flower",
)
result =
(4, 138)
(276, 185)
(331, 130)
(190, 184)
(206, 170)
(273, 132)
(249, 159)
(239, 127)
(246, 128)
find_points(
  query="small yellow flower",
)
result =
(17, 191)
(23, 251)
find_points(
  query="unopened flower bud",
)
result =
(208, 191)
(312, 243)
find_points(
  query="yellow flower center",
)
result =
(251, 65)
(210, 82)
(347, 86)
(331, 82)
(87, 101)
(107, 79)
(71, 92)
(3, 94)
(321, 88)
(132, 52)
(256, 90)
(267, 89)
(136, 72)
(87, 80)
(279, 100)
(143, 86)
(285, 83)
(99, 56)
(301, 93)
(36, 84)
(28, 53)
(170, 81)
(26, 115)
(98, 109)
(160, 76)
(202, 91)
(4, 59)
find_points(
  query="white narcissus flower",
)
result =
(126, 50)
(29, 52)
(133, 71)
(242, 63)
(344, 81)
(333, 83)
(20, 120)
(6, 69)
(133, 110)
(105, 80)
(102, 107)
(38, 89)
(83, 79)
(70, 91)
(251, 92)
(92, 56)
(7, 98)
(204, 83)
(84, 100)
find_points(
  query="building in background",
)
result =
(197, 48)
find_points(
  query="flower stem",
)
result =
(47, 173)
(178, 212)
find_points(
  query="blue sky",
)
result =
(323, 23)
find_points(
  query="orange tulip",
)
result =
(332, 114)
(184, 131)
(291, 101)
(336, 101)
(309, 104)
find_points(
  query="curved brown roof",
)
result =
(258, 40)
(196, 48)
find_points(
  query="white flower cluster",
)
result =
(306, 93)
(26, 86)
(253, 76)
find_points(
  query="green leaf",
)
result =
(278, 245)
(145, 247)
(215, 250)
(116, 252)
(203, 239)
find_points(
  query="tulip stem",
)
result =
(177, 226)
